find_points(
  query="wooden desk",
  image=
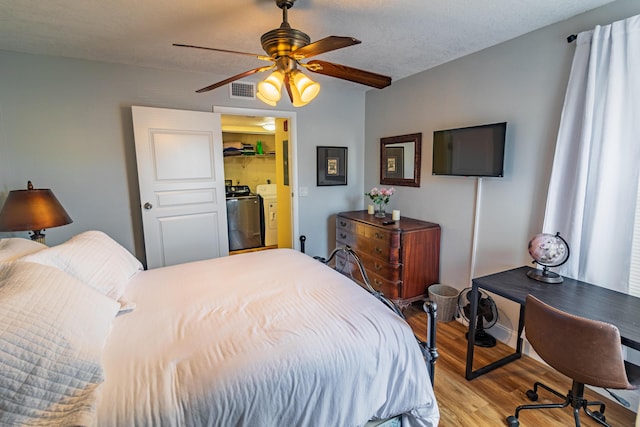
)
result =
(573, 296)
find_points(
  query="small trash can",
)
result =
(447, 299)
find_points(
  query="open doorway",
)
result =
(265, 168)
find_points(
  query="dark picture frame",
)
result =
(395, 162)
(331, 165)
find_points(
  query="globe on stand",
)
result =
(547, 250)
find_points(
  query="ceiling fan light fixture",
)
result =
(307, 88)
(265, 100)
(296, 99)
(270, 87)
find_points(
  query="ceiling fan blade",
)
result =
(287, 84)
(324, 45)
(348, 73)
(255, 55)
(234, 78)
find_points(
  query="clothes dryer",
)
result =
(268, 192)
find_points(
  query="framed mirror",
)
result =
(400, 158)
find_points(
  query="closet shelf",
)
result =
(244, 158)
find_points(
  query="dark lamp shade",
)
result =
(32, 210)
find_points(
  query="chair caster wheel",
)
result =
(532, 395)
(512, 421)
(599, 416)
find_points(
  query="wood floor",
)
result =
(489, 399)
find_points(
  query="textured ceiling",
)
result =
(399, 37)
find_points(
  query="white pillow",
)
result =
(13, 248)
(53, 329)
(95, 259)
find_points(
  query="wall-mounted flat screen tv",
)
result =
(470, 151)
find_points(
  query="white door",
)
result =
(181, 179)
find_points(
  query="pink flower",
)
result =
(380, 196)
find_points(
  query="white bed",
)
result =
(260, 339)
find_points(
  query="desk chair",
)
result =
(587, 351)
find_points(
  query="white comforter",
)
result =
(261, 339)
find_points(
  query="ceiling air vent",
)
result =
(242, 90)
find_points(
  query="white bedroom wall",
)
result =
(66, 124)
(522, 82)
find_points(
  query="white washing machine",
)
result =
(268, 192)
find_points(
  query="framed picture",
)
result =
(395, 162)
(332, 165)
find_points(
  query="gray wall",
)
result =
(522, 82)
(66, 124)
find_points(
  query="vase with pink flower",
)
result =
(380, 198)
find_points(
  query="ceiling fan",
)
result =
(286, 47)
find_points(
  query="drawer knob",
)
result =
(377, 266)
(379, 235)
(343, 236)
(378, 250)
(377, 282)
(343, 223)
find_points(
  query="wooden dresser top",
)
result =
(405, 224)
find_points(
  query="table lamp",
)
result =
(32, 209)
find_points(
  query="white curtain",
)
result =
(594, 180)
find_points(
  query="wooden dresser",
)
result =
(401, 259)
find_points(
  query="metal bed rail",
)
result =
(428, 347)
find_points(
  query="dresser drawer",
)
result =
(346, 225)
(372, 247)
(377, 249)
(393, 272)
(388, 288)
(380, 235)
(347, 266)
(345, 236)
(387, 237)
